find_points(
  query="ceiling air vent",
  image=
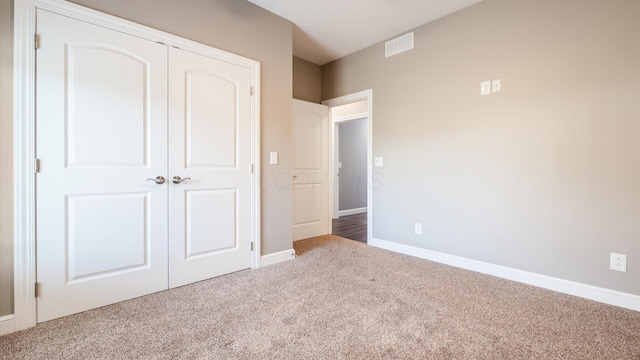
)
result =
(399, 44)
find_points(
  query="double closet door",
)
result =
(145, 166)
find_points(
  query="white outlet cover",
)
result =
(377, 162)
(618, 262)
(418, 228)
(274, 158)
(485, 88)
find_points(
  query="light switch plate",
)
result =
(485, 88)
(377, 162)
(274, 158)
(496, 85)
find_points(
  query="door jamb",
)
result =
(25, 311)
(23, 170)
(344, 100)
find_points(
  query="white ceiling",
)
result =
(326, 30)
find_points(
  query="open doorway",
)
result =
(350, 166)
(350, 163)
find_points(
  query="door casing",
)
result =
(344, 100)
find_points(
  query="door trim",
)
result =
(25, 314)
(344, 100)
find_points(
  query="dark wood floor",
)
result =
(352, 227)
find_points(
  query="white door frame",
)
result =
(24, 135)
(344, 100)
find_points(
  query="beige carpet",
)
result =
(341, 299)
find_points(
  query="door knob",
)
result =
(158, 180)
(178, 179)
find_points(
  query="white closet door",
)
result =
(310, 170)
(101, 133)
(210, 145)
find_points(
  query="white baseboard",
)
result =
(270, 259)
(352, 211)
(607, 296)
(7, 325)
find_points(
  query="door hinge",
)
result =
(252, 168)
(252, 246)
(36, 41)
(36, 165)
(251, 91)
(37, 289)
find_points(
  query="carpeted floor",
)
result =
(341, 299)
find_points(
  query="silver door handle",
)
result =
(178, 179)
(158, 180)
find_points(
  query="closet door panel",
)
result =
(210, 213)
(101, 132)
(211, 118)
(209, 147)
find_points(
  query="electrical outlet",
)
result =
(618, 262)
(418, 228)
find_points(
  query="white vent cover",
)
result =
(399, 44)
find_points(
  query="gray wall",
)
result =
(352, 146)
(543, 176)
(6, 157)
(306, 80)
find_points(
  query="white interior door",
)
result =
(310, 170)
(210, 149)
(101, 133)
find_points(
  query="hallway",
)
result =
(352, 227)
